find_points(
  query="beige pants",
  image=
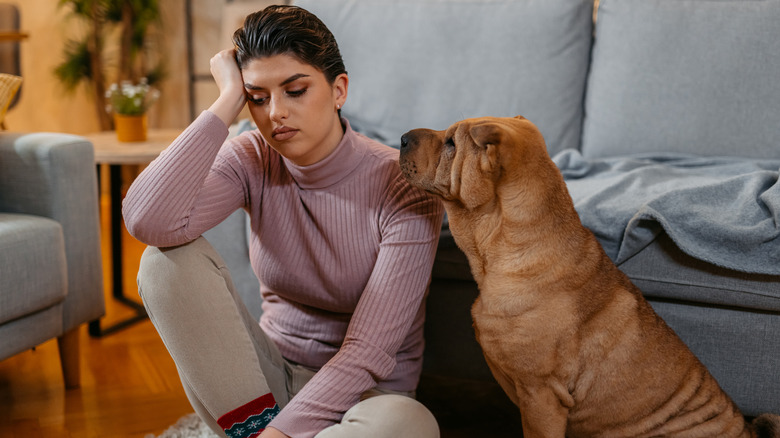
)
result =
(224, 358)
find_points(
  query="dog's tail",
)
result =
(767, 426)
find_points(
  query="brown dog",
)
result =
(567, 335)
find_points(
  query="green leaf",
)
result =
(76, 66)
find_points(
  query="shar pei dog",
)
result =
(566, 334)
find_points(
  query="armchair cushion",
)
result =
(30, 241)
(33, 281)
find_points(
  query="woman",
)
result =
(342, 244)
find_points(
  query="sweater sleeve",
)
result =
(392, 298)
(181, 194)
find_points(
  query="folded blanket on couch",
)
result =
(725, 211)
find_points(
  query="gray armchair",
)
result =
(50, 264)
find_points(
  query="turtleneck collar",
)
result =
(333, 168)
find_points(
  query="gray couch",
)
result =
(51, 277)
(659, 95)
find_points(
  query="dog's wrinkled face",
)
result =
(464, 163)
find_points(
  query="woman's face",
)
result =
(295, 106)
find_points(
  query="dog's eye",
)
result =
(450, 143)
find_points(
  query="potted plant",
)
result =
(129, 103)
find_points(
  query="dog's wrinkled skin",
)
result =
(567, 335)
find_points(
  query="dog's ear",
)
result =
(488, 137)
(486, 134)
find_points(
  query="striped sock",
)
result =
(249, 420)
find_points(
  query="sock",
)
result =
(249, 420)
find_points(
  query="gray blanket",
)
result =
(725, 211)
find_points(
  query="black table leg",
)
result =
(95, 329)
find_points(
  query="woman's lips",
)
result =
(283, 133)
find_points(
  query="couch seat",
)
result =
(662, 271)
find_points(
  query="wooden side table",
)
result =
(110, 151)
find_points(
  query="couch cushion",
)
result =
(32, 265)
(663, 271)
(429, 63)
(739, 348)
(692, 76)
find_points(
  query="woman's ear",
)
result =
(340, 88)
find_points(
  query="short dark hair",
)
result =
(290, 30)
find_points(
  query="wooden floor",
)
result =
(129, 385)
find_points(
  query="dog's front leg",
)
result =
(544, 412)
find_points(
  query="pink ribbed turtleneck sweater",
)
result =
(343, 248)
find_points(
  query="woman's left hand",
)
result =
(230, 82)
(270, 432)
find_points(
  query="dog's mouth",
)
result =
(411, 174)
(409, 169)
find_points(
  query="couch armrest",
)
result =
(53, 175)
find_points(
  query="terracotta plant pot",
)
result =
(130, 128)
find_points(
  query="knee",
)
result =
(408, 415)
(387, 416)
(176, 268)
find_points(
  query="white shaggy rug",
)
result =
(189, 426)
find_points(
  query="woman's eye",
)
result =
(264, 99)
(296, 93)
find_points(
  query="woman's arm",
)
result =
(179, 195)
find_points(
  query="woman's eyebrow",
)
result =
(292, 78)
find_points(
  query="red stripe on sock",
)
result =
(241, 413)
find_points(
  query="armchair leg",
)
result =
(68, 345)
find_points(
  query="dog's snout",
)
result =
(411, 139)
(408, 142)
(404, 140)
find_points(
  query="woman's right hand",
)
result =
(231, 86)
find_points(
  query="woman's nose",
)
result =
(278, 109)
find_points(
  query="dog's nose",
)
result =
(404, 140)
